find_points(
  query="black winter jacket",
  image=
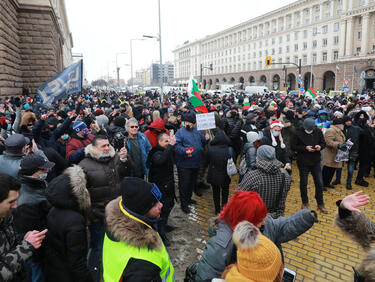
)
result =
(281, 154)
(218, 155)
(299, 142)
(66, 241)
(353, 133)
(103, 178)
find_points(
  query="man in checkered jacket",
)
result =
(269, 180)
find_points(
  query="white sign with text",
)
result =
(206, 121)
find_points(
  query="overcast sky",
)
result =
(101, 29)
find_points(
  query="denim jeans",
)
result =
(351, 165)
(94, 255)
(33, 271)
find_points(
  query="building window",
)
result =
(296, 60)
(373, 48)
(305, 33)
(273, 51)
(317, 18)
(360, 20)
(317, 8)
(358, 50)
(304, 45)
(273, 41)
(305, 59)
(335, 55)
(324, 57)
(325, 41)
(260, 54)
(287, 49)
(315, 43)
(295, 47)
(266, 42)
(338, 12)
(325, 29)
(359, 35)
(280, 39)
(296, 35)
(287, 59)
(362, 2)
(336, 40)
(339, 2)
(288, 37)
(314, 58)
(280, 50)
(328, 5)
(336, 27)
(315, 31)
(260, 44)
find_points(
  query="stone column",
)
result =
(321, 11)
(349, 37)
(365, 33)
(342, 38)
(350, 4)
(344, 5)
(332, 12)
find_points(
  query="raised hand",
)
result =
(353, 201)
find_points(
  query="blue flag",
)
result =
(68, 82)
(355, 69)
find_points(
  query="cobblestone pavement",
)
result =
(321, 254)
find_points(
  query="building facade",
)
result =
(335, 41)
(35, 44)
(144, 76)
(168, 73)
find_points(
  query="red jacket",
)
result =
(77, 143)
(154, 130)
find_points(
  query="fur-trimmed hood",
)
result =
(123, 228)
(92, 152)
(68, 190)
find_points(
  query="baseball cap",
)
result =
(16, 141)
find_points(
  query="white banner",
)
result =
(205, 121)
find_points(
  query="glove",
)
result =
(342, 147)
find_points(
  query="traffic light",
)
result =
(211, 67)
(268, 61)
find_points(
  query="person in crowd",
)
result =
(16, 147)
(154, 130)
(104, 169)
(81, 137)
(32, 206)
(218, 155)
(188, 158)
(366, 140)
(308, 142)
(249, 153)
(232, 125)
(272, 136)
(133, 250)
(139, 148)
(160, 163)
(269, 180)
(359, 227)
(15, 250)
(66, 248)
(335, 140)
(258, 259)
(322, 121)
(249, 206)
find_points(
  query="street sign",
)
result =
(302, 89)
(345, 88)
(299, 79)
(346, 82)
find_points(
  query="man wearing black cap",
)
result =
(188, 155)
(132, 250)
(308, 141)
(16, 147)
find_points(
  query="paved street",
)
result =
(321, 254)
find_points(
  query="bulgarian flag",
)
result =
(339, 70)
(273, 104)
(195, 96)
(312, 92)
(246, 104)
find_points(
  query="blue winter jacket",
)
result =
(145, 147)
(187, 139)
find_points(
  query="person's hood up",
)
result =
(68, 190)
(158, 124)
(356, 116)
(122, 228)
(322, 112)
(272, 167)
(220, 139)
(93, 153)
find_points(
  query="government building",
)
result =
(335, 41)
(35, 44)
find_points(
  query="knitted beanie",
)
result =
(266, 153)
(252, 136)
(79, 125)
(258, 258)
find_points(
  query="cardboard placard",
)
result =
(206, 121)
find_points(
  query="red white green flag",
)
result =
(246, 105)
(339, 70)
(312, 92)
(195, 96)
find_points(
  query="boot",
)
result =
(361, 182)
(349, 186)
(322, 209)
(336, 182)
(203, 185)
(198, 193)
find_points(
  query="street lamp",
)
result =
(118, 68)
(131, 58)
(312, 54)
(158, 37)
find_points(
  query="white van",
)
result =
(250, 90)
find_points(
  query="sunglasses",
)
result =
(134, 126)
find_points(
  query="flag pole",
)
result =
(335, 78)
(353, 80)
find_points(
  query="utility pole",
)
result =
(161, 60)
(201, 74)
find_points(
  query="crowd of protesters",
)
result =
(87, 183)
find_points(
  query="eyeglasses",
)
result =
(133, 126)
